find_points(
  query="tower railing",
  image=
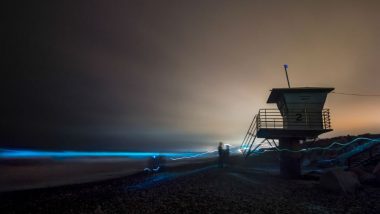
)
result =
(295, 119)
(250, 137)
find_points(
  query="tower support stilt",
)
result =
(290, 162)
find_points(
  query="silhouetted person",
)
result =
(226, 154)
(162, 163)
(221, 154)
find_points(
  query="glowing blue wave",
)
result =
(193, 156)
(152, 170)
(329, 147)
(4, 153)
(204, 153)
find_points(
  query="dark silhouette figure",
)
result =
(226, 154)
(221, 154)
(162, 163)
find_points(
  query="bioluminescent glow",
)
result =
(152, 170)
(165, 177)
(193, 156)
(329, 147)
(204, 153)
(5, 153)
(24, 154)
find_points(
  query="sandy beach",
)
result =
(197, 187)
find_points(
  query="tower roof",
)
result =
(276, 93)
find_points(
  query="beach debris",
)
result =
(339, 181)
(313, 175)
(376, 170)
(99, 210)
(364, 176)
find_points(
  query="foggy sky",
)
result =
(179, 75)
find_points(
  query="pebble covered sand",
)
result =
(200, 188)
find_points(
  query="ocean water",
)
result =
(30, 173)
(18, 174)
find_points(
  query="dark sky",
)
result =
(178, 75)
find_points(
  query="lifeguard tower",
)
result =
(299, 116)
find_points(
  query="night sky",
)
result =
(178, 75)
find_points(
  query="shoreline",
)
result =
(191, 188)
(136, 169)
